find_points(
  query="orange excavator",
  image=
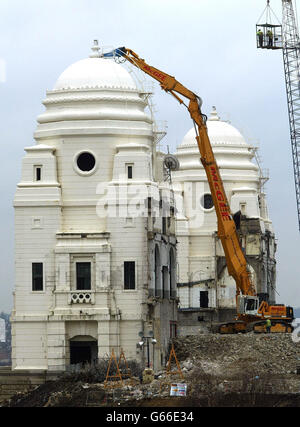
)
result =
(250, 314)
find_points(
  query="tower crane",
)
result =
(286, 37)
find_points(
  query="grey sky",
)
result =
(208, 45)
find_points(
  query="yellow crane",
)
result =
(250, 314)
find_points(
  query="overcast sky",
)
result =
(208, 45)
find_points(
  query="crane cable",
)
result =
(269, 12)
(263, 13)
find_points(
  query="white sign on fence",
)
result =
(178, 390)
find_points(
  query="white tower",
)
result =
(84, 246)
(205, 289)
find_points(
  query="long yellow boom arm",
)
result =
(235, 259)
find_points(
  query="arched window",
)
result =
(157, 291)
(172, 272)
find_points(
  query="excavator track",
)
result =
(237, 327)
(277, 327)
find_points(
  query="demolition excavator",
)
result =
(251, 312)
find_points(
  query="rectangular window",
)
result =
(243, 208)
(129, 275)
(129, 169)
(37, 276)
(129, 172)
(83, 276)
(38, 173)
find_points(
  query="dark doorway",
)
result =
(204, 299)
(83, 352)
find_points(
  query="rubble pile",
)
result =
(217, 369)
(233, 354)
(64, 394)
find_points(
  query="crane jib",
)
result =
(221, 198)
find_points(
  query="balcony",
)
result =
(81, 297)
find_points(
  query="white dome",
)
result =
(94, 95)
(219, 132)
(95, 73)
(231, 150)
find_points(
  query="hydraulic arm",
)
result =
(236, 262)
(246, 297)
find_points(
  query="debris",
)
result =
(148, 376)
(216, 367)
(216, 354)
(188, 365)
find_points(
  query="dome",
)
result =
(95, 95)
(219, 132)
(231, 150)
(95, 72)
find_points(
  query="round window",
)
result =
(207, 201)
(86, 162)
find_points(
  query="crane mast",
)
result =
(291, 59)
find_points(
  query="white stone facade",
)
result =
(85, 256)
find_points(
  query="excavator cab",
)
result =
(248, 305)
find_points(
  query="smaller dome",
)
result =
(231, 151)
(94, 73)
(219, 132)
